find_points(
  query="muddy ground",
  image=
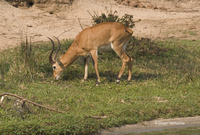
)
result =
(163, 19)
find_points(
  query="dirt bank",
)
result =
(177, 20)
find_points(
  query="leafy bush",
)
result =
(127, 19)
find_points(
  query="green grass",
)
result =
(189, 32)
(166, 69)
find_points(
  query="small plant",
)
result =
(127, 19)
(28, 54)
(28, 57)
(22, 66)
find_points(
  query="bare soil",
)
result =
(39, 20)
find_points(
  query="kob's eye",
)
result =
(54, 67)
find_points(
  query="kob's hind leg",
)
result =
(126, 60)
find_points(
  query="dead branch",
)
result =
(26, 100)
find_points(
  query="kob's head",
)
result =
(57, 65)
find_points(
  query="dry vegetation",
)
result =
(139, 4)
(30, 3)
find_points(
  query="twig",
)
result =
(80, 23)
(181, 79)
(64, 32)
(95, 13)
(110, 100)
(189, 53)
(90, 14)
(182, 95)
(99, 117)
(26, 100)
(184, 49)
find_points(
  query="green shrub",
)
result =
(127, 19)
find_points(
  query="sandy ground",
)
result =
(179, 20)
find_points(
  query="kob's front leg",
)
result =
(95, 58)
(87, 61)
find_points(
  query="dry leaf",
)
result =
(160, 100)
(99, 117)
(122, 101)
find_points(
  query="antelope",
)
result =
(104, 35)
